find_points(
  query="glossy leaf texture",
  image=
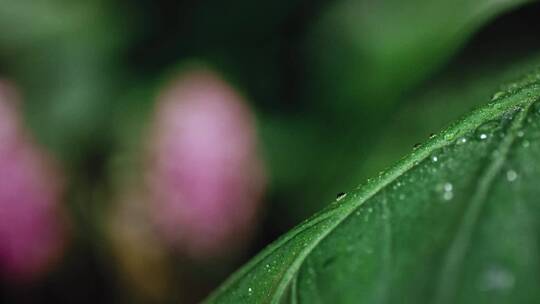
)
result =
(456, 221)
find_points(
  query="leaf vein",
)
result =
(450, 269)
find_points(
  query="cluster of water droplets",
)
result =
(494, 129)
(447, 191)
(525, 143)
(481, 137)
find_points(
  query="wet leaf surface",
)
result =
(454, 222)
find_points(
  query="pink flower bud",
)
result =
(31, 235)
(205, 175)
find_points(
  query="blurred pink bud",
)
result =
(206, 177)
(31, 234)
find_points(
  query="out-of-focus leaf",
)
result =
(454, 222)
(367, 53)
(64, 57)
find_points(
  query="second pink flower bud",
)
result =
(205, 173)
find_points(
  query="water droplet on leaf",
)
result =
(447, 191)
(497, 279)
(497, 95)
(448, 187)
(461, 141)
(483, 132)
(511, 175)
(448, 196)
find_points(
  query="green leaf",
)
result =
(367, 53)
(454, 222)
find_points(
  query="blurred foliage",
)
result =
(341, 89)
